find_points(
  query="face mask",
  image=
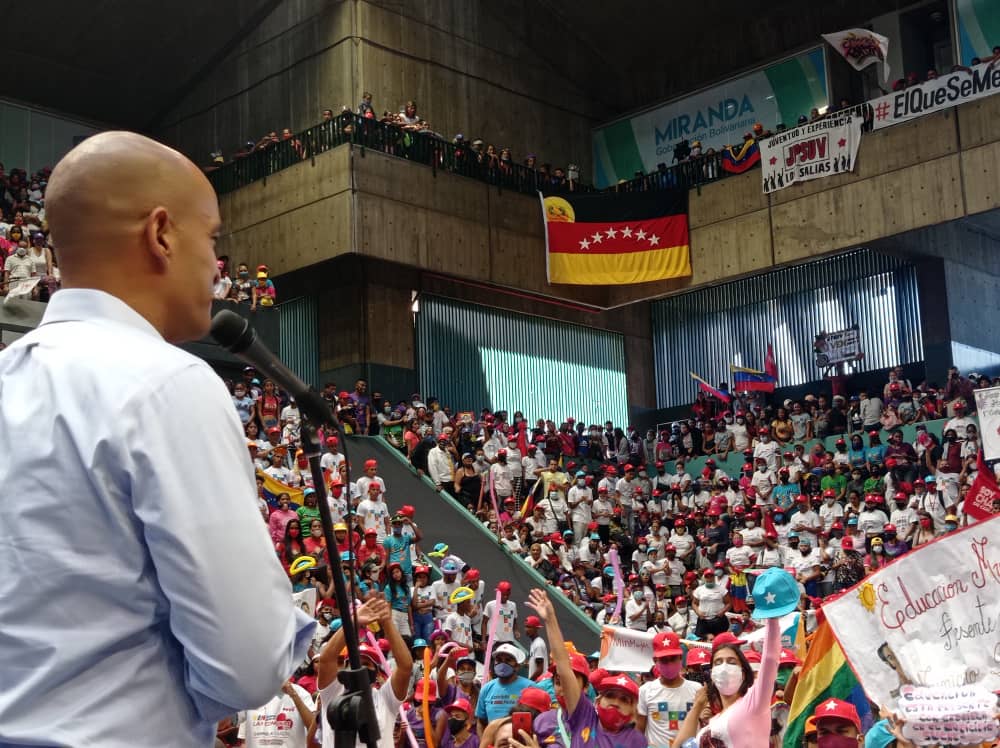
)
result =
(503, 670)
(293, 532)
(387, 410)
(682, 609)
(554, 495)
(456, 725)
(668, 670)
(611, 719)
(467, 677)
(240, 393)
(837, 741)
(328, 616)
(727, 678)
(949, 526)
(397, 530)
(710, 584)
(21, 251)
(244, 274)
(829, 502)
(581, 482)
(779, 518)
(751, 524)
(876, 549)
(637, 596)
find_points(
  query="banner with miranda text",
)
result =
(927, 619)
(819, 149)
(625, 650)
(714, 117)
(943, 92)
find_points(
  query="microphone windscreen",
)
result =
(232, 331)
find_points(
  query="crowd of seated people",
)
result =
(26, 260)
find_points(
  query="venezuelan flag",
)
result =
(273, 488)
(612, 238)
(738, 159)
(751, 379)
(825, 674)
(709, 388)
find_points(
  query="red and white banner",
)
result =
(982, 493)
(861, 48)
(818, 149)
(927, 619)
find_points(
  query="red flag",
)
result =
(983, 492)
(770, 367)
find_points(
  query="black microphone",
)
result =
(235, 334)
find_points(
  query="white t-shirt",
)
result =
(277, 723)
(632, 607)
(460, 628)
(710, 601)
(740, 556)
(505, 621)
(331, 461)
(386, 712)
(539, 651)
(665, 709)
(582, 497)
(373, 516)
(830, 513)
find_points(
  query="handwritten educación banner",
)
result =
(812, 151)
(939, 93)
(988, 409)
(928, 619)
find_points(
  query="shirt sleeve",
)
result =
(238, 648)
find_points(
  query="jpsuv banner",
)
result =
(943, 92)
(812, 151)
(930, 618)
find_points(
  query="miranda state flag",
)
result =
(612, 238)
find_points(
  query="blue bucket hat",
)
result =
(775, 594)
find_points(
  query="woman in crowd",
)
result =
(292, 545)
(397, 592)
(268, 407)
(315, 543)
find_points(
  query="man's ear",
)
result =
(157, 239)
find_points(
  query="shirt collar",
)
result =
(89, 305)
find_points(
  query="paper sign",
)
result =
(626, 650)
(948, 716)
(815, 150)
(930, 618)
(988, 410)
(20, 288)
(306, 599)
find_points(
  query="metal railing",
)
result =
(427, 148)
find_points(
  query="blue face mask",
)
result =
(503, 670)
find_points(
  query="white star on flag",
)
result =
(597, 238)
(611, 233)
(640, 234)
(653, 239)
(584, 244)
(626, 232)
(770, 598)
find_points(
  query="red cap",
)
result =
(602, 489)
(752, 656)
(442, 437)
(659, 464)
(680, 599)
(533, 621)
(472, 575)
(763, 431)
(501, 453)
(708, 573)
(788, 658)
(503, 586)
(959, 405)
(747, 466)
(432, 690)
(873, 432)
(535, 698)
(629, 467)
(407, 511)
(726, 638)
(679, 523)
(619, 683)
(837, 709)
(460, 704)
(788, 455)
(847, 543)
(597, 676)
(838, 525)
(371, 531)
(784, 471)
(332, 441)
(274, 430)
(841, 442)
(889, 528)
(667, 644)
(670, 548)
(739, 509)
(697, 656)
(772, 534)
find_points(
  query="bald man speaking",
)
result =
(140, 598)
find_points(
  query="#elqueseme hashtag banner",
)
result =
(611, 238)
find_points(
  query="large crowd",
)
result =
(25, 253)
(568, 498)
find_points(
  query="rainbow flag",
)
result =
(273, 488)
(825, 674)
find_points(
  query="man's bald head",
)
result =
(137, 219)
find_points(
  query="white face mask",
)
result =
(751, 524)
(581, 481)
(727, 678)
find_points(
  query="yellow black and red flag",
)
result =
(614, 238)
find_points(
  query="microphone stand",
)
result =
(352, 716)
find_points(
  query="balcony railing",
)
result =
(426, 148)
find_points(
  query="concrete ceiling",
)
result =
(127, 62)
(120, 62)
